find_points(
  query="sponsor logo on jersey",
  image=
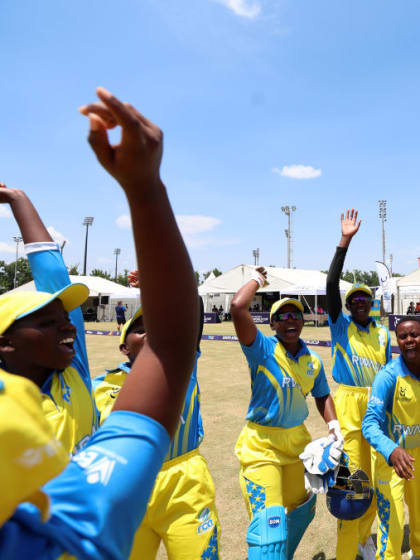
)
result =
(114, 393)
(274, 522)
(366, 362)
(381, 338)
(206, 522)
(288, 382)
(97, 466)
(376, 400)
(407, 429)
(310, 370)
(402, 395)
(35, 456)
(67, 393)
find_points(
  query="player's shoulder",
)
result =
(111, 378)
(343, 320)
(315, 357)
(390, 371)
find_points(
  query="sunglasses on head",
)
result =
(359, 299)
(294, 315)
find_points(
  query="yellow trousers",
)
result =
(391, 493)
(350, 404)
(181, 513)
(271, 472)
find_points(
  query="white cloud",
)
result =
(7, 247)
(298, 171)
(5, 211)
(193, 224)
(123, 221)
(244, 8)
(104, 260)
(56, 235)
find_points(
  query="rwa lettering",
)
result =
(407, 430)
(366, 362)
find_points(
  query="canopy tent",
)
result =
(103, 295)
(407, 289)
(284, 281)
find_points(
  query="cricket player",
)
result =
(60, 370)
(181, 510)
(392, 426)
(283, 372)
(92, 509)
(360, 348)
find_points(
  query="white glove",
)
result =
(319, 484)
(259, 277)
(321, 455)
(334, 428)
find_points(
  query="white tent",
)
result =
(107, 292)
(408, 289)
(289, 281)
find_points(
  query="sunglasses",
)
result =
(295, 316)
(360, 299)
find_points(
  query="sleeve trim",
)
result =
(38, 246)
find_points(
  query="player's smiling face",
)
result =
(135, 339)
(40, 343)
(289, 328)
(408, 338)
(359, 305)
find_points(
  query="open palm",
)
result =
(349, 223)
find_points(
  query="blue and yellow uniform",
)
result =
(181, 510)
(393, 420)
(67, 401)
(91, 509)
(358, 354)
(269, 445)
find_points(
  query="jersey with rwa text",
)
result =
(189, 433)
(280, 382)
(68, 402)
(358, 352)
(393, 415)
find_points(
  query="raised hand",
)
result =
(8, 195)
(134, 279)
(349, 224)
(135, 161)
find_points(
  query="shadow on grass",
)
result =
(405, 545)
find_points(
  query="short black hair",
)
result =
(407, 319)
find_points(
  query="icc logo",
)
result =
(402, 391)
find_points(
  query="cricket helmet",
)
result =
(351, 495)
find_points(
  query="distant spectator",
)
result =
(221, 308)
(417, 309)
(120, 310)
(320, 310)
(410, 308)
(214, 309)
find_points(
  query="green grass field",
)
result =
(225, 391)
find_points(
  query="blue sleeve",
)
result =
(96, 381)
(262, 347)
(50, 275)
(340, 325)
(374, 425)
(321, 387)
(388, 352)
(99, 500)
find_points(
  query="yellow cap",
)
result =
(285, 301)
(358, 288)
(124, 330)
(16, 305)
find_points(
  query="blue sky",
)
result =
(251, 95)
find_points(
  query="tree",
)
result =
(7, 274)
(197, 277)
(123, 278)
(100, 273)
(215, 271)
(74, 270)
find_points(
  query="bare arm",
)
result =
(349, 227)
(244, 324)
(27, 218)
(326, 408)
(159, 377)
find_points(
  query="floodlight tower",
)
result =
(256, 255)
(17, 239)
(88, 221)
(382, 217)
(116, 253)
(288, 210)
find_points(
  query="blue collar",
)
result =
(123, 366)
(361, 327)
(405, 369)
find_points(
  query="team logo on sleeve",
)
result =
(206, 522)
(98, 466)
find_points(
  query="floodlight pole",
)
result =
(256, 255)
(88, 221)
(382, 216)
(288, 210)
(116, 253)
(17, 239)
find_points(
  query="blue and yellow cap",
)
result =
(358, 288)
(285, 301)
(138, 313)
(16, 305)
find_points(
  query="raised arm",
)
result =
(244, 324)
(159, 377)
(349, 227)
